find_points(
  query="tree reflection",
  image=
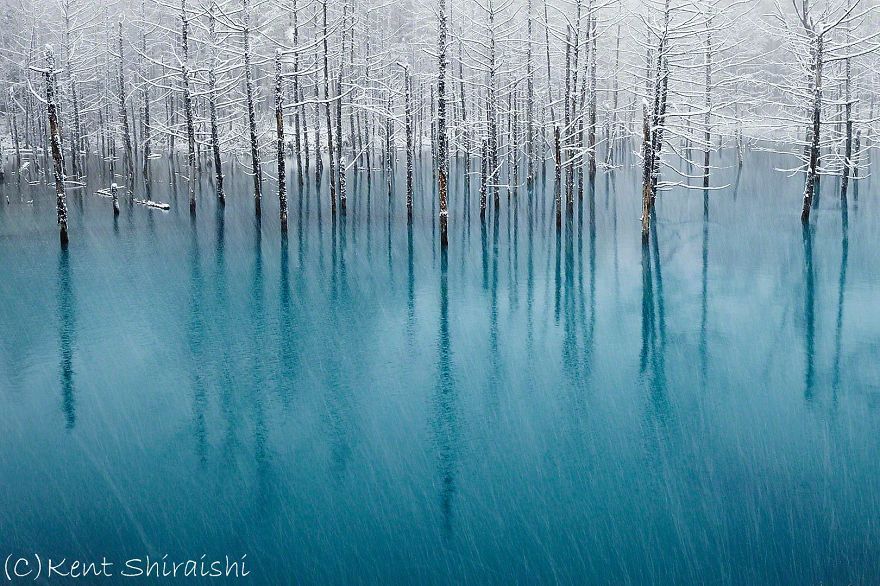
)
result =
(841, 292)
(67, 336)
(445, 417)
(196, 339)
(809, 314)
(652, 358)
(704, 297)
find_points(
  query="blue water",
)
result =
(353, 404)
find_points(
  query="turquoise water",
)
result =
(353, 404)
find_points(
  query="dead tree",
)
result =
(647, 166)
(343, 204)
(407, 85)
(279, 132)
(188, 105)
(123, 114)
(813, 147)
(55, 141)
(256, 169)
(328, 109)
(530, 100)
(847, 170)
(592, 99)
(212, 101)
(299, 113)
(114, 195)
(441, 125)
(707, 147)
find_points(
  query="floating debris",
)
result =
(153, 204)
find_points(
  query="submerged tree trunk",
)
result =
(123, 114)
(256, 169)
(647, 168)
(279, 130)
(466, 132)
(848, 152)
(298, 115)
(389, 140)
(530, 100)
(145, 96)
(484, 177)
(343, 204)
(212, 103)
(76, 146)
(407, 82)
(355, 139)
(492, 109)
(855, 166)
(813, 149)
(441, 126)
(114, 195)
(55, 139)
(652, 130)
(146, 135)
(566, 118)
(513, 149)
(67, 64)
(16, 140)
(558, 179)
(591, 129)
(707, 147)
(327, 110)
(188, 107)
(170, 119)
(614, 123)
(848, 140)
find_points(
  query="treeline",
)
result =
(509, 87)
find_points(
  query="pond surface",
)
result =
(352, 404)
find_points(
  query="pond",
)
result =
(351, 403)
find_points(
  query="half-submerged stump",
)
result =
(114, 194)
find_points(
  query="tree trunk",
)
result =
(298, 114)
(407, 82)
(341, 168)
(530, 99)
(145, 96)
(114, 194)
(647, 169)
(813, 164)
(256, 169)
(212, 103)
(319, 160)
(188, 107)
(279, 131)
(492, 109)
(466, 132)
(558, 179)
(848, 141)
(591, 130)
(441, 126)
(707, 147)
(327, 111)
(57, 157)
(566, 118)
(123, 114)
(484, 177)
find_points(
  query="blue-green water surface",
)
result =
(352, 404)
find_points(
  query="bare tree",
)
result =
(55, 141)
